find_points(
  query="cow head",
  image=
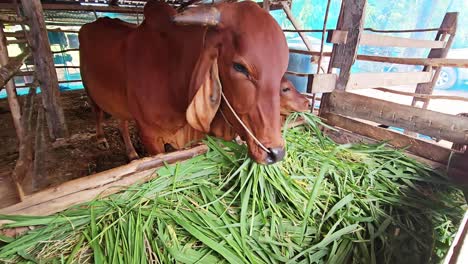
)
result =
(244, 56)
(291, 99)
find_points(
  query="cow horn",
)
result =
(203, 16)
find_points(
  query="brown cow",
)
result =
(291, 100)
(174, 89)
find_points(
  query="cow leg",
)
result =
(101, 139)
(129, 149)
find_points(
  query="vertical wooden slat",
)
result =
(10, 88)
(448, 27)
(351, 19)
(45, 69)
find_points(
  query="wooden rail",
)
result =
(427, 96)
(101, 184)
(419, 147)
(443, 126)
(389, 41)
(373, 80)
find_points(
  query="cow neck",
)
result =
(242, 124)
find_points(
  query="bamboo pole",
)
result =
(296, 25)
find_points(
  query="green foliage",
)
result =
(325, 203)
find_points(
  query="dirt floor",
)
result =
(68, 159)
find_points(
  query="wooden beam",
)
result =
(9, 70)
(15, 108)
(435, 62)
(44, 66)
(390, 41)
(16, 41)
(101, 184)
(79, 7)
(378, 79)
(449, 23)
(419, 147)
(428, 96)
(427, 122)
(11, 19)
(296, 25)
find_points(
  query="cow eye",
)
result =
(286, 89)
(240, 68)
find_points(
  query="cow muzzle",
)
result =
(275, 155)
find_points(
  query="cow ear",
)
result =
(205, 81)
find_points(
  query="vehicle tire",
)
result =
(447, 79)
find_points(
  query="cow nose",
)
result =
(275, 155)
(309, 104)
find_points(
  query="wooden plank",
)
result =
(419, 147)
(322, 83)
(11, 19)
(78, 7)
(373, 80)
(450, 24)
(102, 184)
(390, 41)
(337, 36)
(427, 122)
(44, 66)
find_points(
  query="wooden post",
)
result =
(10, 88)
(45, 69)
(448, 26)
(24, 163)
(351, 19)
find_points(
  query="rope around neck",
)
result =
(242, 124)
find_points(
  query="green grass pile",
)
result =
(325, 203)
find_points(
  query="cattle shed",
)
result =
(50, 161)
